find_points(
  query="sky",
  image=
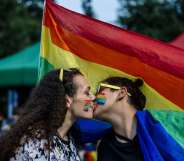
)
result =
(105, 10)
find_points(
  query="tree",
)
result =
(20, 24)
(161, 19)
(87, 7)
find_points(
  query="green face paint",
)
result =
(87, 105)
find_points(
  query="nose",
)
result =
(93, 97)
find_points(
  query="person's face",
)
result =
(110, 96)
(81, 103)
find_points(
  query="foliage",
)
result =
(87, 7)
(20, 24)
(161, 19)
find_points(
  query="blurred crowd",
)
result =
(6, 123)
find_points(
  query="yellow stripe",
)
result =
(97, 72)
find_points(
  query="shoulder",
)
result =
(57, 141)
(31, 149)
(63, 149)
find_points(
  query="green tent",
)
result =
(20, 69)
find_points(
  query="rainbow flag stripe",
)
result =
(101, 50)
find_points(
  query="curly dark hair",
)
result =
(45, 110)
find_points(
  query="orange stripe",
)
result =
(56, 35)
(152, 52)
(99, 54)
(166, 84)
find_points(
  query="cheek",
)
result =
(77, 106)
(100, 111)
(109, 100)
(105, 101)
(78, 109)
(102, 98)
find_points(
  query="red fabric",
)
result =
(159, 64)
(149, 51)
(178, 42)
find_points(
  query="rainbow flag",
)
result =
(101, 50)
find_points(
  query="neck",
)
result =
(68, 122)
(124, 121)
(63, 131)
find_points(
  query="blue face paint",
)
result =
(100, 100)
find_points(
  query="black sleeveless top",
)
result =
(110, 149)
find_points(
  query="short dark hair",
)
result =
(137, 98)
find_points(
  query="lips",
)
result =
(88, 105)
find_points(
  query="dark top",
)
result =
(110, 149)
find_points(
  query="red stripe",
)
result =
(166, 84)
(95, 53)
(149, 51)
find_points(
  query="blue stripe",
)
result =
(156, 144)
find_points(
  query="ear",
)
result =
(122, 93)
(69, 101)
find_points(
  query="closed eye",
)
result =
(87, 91)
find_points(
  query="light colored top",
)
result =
(37, 150)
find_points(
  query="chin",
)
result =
(98, 111)
(99, 114)
(87, 116)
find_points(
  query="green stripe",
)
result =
(172, 121)
(44, 67)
